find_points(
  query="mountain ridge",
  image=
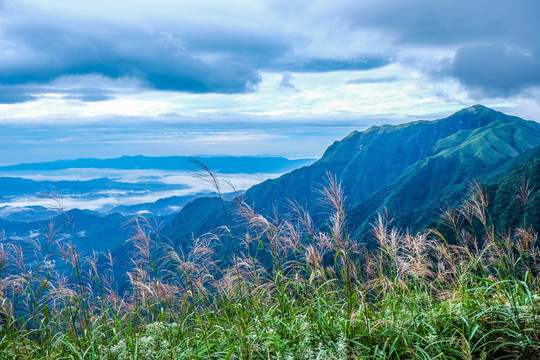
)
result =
(373, 151)
(223, 164)
(411, 170)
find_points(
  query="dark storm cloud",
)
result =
(203, 59)
(494, 71)
(260, 50)
(498, 50)
(428, 22)
(48, 52)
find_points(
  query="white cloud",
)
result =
(107, 199)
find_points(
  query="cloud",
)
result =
(285, 83)
(437, 23)
(13, 95)
(494, 71)
(492, 45)
(206, 55)
(116, 136)
(323, 65)
(216, 48)
(45, 52)
(88, 94)
(371, 80)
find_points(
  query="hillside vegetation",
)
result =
(284, 291)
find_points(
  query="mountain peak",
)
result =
(477, 109)
(470, 117)
(474, 117)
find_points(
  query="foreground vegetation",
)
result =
(285, 291)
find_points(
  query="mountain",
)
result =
(15, 186)
(89, 230)
(222, 164)
(162, 207)
(411, 171)
(30, 200)
(26, 213)
(514, 200)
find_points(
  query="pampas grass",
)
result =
(289, 290)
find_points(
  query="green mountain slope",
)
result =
(514, 200)
(440, 181)
(413, 171)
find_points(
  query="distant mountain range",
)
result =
(411, 171)
(11, 186)
(90, 231)
(129, 184)
(29, 205)
(222, 164)
(163, 207)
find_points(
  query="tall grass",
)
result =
(288, 291)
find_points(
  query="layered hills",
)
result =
(223, 164)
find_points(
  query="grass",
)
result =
(289, 291)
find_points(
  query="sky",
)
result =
(170, 77)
